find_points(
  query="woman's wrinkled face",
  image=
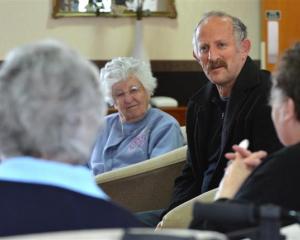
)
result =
(130, 99)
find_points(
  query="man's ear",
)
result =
(289, 110)
(246, 46)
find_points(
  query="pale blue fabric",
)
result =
(119, 145)
(38, 171)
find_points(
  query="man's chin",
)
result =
(216, 78)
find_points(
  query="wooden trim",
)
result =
(175, 66)
(178, 79)
(169, 65)
(166, 65)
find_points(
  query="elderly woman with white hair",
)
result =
(137, 131)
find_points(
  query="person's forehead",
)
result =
(215, 27)
(216, 20)
(123, 84)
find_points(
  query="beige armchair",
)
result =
(146, 185)
(181, 216)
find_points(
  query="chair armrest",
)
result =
(146, 185)
(181, 216)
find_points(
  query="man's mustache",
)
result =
(216, 64)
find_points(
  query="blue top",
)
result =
(119, 145)
(38, 171)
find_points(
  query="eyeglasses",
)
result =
(133, 91)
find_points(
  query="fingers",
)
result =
(255, 159)
(242, 151)
(239, 153)
(252, 160)
(230, 156)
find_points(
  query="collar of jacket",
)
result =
(247, 79)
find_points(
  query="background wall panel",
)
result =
(24, 21)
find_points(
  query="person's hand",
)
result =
(243, 163)
(251, 161)
(238, 152)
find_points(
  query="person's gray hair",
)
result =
(285, 78)
(48, 96)
(119, 69)
(239, 28)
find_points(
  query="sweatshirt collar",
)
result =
(38, 171)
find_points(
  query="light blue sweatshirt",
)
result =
(120, 145)
(38, 171)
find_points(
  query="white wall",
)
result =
(24, 21)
